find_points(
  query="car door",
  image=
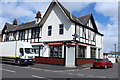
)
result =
(108, 63)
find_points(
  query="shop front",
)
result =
(64, 53)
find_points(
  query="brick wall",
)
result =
(84, 61)
(50, 60)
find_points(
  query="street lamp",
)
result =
(115, 53)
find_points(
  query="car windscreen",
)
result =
(29, 50)
(99, 59)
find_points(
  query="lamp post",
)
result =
(115, 53)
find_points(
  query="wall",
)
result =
(55, 18)
(50, 60)
(84, 61)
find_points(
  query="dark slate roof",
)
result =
(85, 19)
(10, 27)
(26, 25)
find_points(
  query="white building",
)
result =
(59, 37)
(113, 57)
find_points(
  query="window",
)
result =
(81, 51)
(35, 33)
(21, 35)
(14, 35)
(98, 53)
(84, 33)
(94, 36)
(56, 51)
(21, 51)
(93, 52)
(7, 37)
(49, 30)
(38, 50)
(61, 29)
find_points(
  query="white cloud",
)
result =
(110, 31)
(107, 8)
(11, 10)
(110, 37)
(75, 6)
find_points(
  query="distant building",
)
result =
(113, 57)
(59, 37)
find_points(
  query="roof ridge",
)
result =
(26, 22)
(86, 15)
(11, 24)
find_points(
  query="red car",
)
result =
(102, 63)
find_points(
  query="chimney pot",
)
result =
(38, 15)
(15, 22)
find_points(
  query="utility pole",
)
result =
(115, 53)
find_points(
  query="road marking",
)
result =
(86, 68)
(8, 70)
(70, 73)
(102, 77)
(80, 74)
(37, 76)
(40, 77)
(90, 76)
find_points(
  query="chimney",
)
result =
(15, 22)
(38, 17)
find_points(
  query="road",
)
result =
(13, 71)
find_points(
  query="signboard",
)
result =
(82, 44)
(57, 43)
(71, 43)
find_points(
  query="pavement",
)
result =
(58, 67)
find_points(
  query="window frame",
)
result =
(53, 53)
(81, 51)
(61, 29)
(49, 30)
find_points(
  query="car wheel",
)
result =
(105, 66)
(111, 66)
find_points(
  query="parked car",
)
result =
(102, 63)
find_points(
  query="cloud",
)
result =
(107, 8)
(21, 10)
(110, 37)
(110, 31)
(75, 6)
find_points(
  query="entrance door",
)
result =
(70, 56)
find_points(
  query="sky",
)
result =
(104, 13)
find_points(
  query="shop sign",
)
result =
(71, 43)
(57, 43)
(82, 44)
